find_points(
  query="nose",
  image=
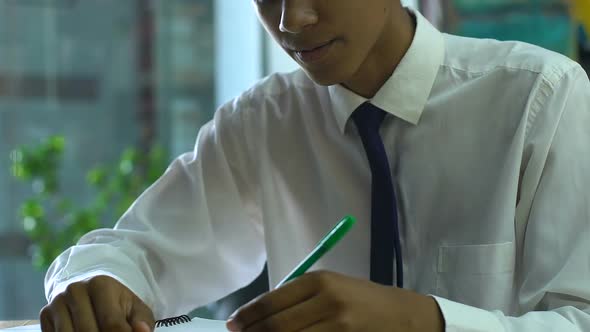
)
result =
(296, 15)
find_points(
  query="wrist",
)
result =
(438, 320)
(425, 314)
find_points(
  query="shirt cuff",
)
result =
(463, 318)
(59, 285)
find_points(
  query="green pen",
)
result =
(335, 235)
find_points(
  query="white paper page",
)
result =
(30, 328)
(196, 325)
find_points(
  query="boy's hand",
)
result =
(325, 301)
(94, 305)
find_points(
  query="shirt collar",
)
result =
(406, 92)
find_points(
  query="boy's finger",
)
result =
(109, 306)
(80, 308)
(141, 317)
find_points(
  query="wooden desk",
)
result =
(9, 324)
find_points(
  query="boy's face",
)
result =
(332, 40)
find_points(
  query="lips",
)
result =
(307, 48)
(315, 54)
(310, 48)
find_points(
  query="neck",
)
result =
(383, 59)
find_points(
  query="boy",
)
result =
(465, 161)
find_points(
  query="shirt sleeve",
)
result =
(191, 238)
(553, 220)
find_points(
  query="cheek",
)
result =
(270, 20)
(272, 30)
(366, 35)
(359, 42)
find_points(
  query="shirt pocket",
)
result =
(477, 275)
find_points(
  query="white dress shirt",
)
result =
(489, 148)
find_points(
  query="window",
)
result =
(106, 75)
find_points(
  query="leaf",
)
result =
(51, 185)
(97, 176)
(32, 208)
(37, 228)
(56, 144)
(126, 166)
(64, 206)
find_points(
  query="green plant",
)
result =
(52, 221)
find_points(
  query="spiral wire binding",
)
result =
(173, 321)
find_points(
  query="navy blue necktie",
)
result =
(385, 239)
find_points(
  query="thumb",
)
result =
(141, 317)
(141, 327)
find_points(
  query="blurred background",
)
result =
(97, 97)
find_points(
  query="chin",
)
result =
(321, 80)
(326, 76)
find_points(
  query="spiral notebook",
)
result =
(175, 324)
(184, 323)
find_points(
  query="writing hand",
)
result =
(330, 302)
